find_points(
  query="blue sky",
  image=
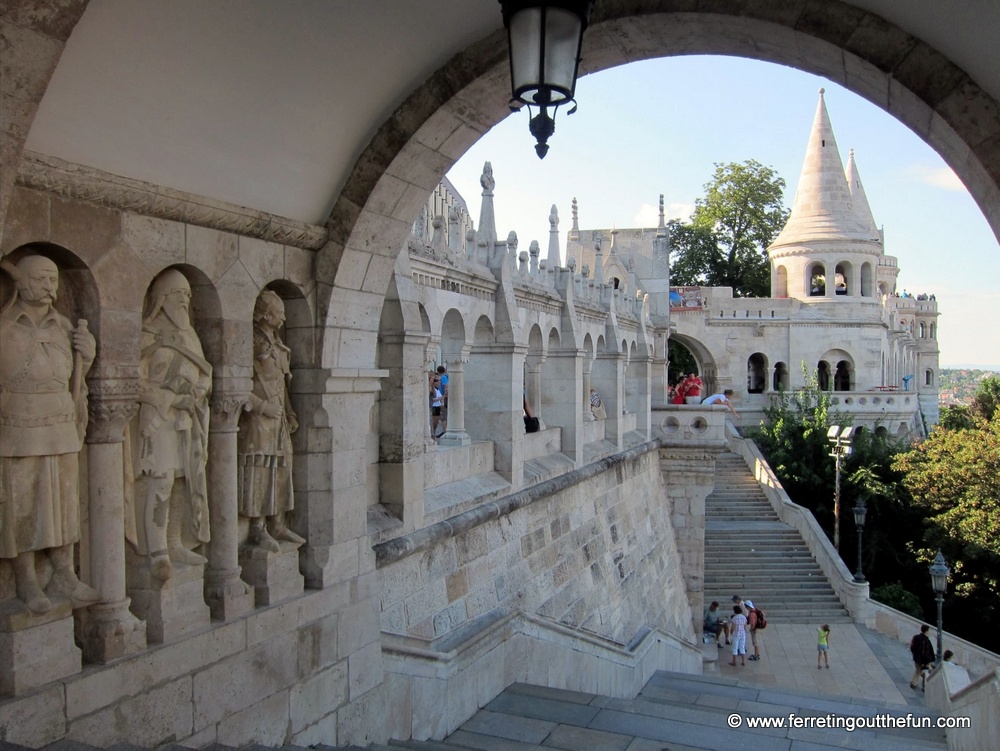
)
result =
(660, 126)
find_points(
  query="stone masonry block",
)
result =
(358, 627)
(266, 723)
(151, 718)
(241, 681)
(35, 719)
(365, 670)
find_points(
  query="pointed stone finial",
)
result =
(553, 254)
(576, 216)
(598, 261)
(662, 213)
(534, 251)
(614, 234)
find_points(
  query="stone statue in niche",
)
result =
(170, 448)
(264, 441)
(43, 418)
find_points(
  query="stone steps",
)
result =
(749, 552)
(673, 711)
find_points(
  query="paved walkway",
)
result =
(863, 663)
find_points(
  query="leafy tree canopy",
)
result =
(725, 243)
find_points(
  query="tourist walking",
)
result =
(923, 655)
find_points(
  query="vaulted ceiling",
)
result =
(268, 104)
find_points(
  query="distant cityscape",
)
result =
(959, 385)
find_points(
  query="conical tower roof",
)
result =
(860, 198)
(823, 210)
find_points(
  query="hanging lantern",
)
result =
(544, 40)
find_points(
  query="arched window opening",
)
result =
(817, 282)
(840, 279)
(933, 332)
(928, 377)
(780, 381)
(842, 378)
(781, 282)
(923, 330)
(756, 373)
(823, 375)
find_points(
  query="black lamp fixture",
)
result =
(860, 512)
(545, 38)
(840, 441)
(939, 583)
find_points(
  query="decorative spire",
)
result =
(662, 224)
(823, 209)
(576, 216)
(598, 261)
(553, 256)
(861, 205)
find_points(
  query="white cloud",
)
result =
(939, 177)
(649, 215)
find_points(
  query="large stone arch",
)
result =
(439, 121)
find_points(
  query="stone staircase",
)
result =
(749, 552)
(673, 711)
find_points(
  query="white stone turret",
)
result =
(829, 248)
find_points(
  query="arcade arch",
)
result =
(463, 99)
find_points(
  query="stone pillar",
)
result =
(331, 466)
(688, 470)
(563, 396)
(609, 381)
(227, 595)
(637, 397)
(533, 386)
(108, 628)
(588, 416)
(495, 399)
(456, 435)
(404, 426)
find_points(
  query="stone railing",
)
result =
(891, 622)
(973, 707)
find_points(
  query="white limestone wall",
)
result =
(589, 555)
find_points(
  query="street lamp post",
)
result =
(939, 583)
(840, 440)
(860, 511)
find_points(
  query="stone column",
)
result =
(456, 435)
(331, 466)
(588, 416)
(108, 628)
(404, 426)
(688, 469)
(227, 595)
(533, 386)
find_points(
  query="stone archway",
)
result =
(416, 146)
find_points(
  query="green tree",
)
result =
(954, 478)
(987, 398)
(725, 243)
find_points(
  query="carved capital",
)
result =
(226, 409)
(112, 403)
